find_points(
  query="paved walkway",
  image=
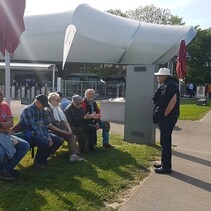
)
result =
(189, 186)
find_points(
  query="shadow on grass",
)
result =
(72, 186)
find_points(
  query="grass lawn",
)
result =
(94, 184)
(88, 185)
(190, 111)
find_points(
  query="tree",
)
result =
(150, 14)
(199, 66)
(117, 12)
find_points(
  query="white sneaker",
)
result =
(75, 157)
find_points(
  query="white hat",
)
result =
(163, 71)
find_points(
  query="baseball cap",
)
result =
(76, 99)
(43, 100)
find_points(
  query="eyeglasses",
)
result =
(79, 104)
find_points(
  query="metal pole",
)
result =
(53, 79)
(7, 76)
(105, 90)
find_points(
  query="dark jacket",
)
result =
(162, 97)
(88, 107)
(75, 116)
(91, 108)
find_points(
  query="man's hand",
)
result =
(96, 116)
(87, 116)
(97, 126)
(6, 130)
(50, 142)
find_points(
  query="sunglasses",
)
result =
(79, 104)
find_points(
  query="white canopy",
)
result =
(100, 38)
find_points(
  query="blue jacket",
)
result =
(6, 143)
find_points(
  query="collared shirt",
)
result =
(33, 118)
(90, 107)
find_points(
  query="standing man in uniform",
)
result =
(166, 113)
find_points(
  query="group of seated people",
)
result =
(45, 125)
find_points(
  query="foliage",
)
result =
(150, 14)
(114, 71)
(199, 67)
(88, 185)
(117, 12)
(199, 50)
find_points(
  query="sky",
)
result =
(193, 12)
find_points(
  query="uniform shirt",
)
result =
(164, 94)
(5, 112)
(167, 90)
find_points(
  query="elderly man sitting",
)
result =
(90, 106)
(12, 149)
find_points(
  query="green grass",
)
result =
(101, 179)
(190, 111)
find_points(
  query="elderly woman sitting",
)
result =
(57, 123)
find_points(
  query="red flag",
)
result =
(11, 24)
(181, 61)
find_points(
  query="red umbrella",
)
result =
(11, 24)
(11, 28)
(181, 61)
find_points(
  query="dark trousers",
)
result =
(87, 137)
(166, 127)
(43, 150)
(92, 135)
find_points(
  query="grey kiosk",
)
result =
(138, 106)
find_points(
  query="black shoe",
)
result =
(40, 166)
(15, 173)
(84, 151)
(93, 149)
(108, 146)
(161, 170)
(7, 176)
(157, 165)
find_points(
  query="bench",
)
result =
(201, 102)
